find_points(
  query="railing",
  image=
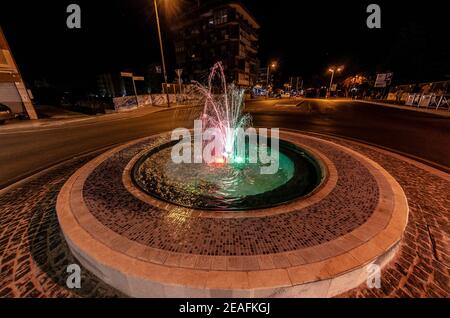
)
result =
(428, 100)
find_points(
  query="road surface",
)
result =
(420, 135)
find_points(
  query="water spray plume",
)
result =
(223, 110)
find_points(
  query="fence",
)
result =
(129, 102)
(433, 94)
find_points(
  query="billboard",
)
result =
(384, 79)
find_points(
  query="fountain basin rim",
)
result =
(322, 189)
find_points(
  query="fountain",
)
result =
(223, 112)
(226, 165)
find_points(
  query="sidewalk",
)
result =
(67, 118)
(438, 112)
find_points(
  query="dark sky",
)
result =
(304, 36)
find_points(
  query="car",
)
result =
(276, 95)
(5, 113)
(311, 92)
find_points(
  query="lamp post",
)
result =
(273, 65)
(332, 70)
(162, 52)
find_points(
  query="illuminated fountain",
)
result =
(235, 177)
(223, 111)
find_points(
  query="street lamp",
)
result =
(162, 52)
(272, 65)
(332, 70)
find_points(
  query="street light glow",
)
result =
(171, 7)
(334, 69)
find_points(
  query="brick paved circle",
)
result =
(34, 255)
(349, 204)
(353, 225)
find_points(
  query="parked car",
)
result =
(276, 95)
(311, 92)
(5, 113)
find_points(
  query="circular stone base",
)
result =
(319, 246)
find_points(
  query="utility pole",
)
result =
(135, 91)
(162, 52)
(332, 70)
(137, 78)
(331, 81)
(269, 65)
(290, 86)
(133, 78)
(179, 71)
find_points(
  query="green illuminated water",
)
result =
(234, 186)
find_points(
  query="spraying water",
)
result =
(223, 110)
(229, 181)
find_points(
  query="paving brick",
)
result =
(32, 245)
(33, 253)
(429, 209)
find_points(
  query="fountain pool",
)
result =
(227, 186)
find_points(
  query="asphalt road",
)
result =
(421, 135)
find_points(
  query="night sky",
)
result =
(304, 36)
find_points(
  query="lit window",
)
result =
(221, 16)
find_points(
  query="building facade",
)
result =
(13, 92)
(222, 32)
(261, 76)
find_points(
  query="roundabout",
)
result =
(319, 244)
(212, 155)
